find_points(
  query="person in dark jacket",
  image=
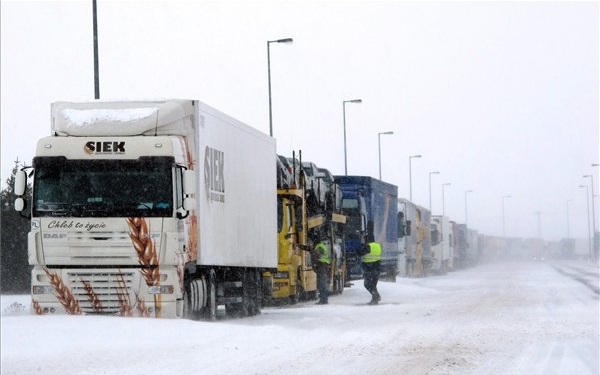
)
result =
(371, 260)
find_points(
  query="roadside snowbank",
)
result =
(509, 318)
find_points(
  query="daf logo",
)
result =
(55, 236)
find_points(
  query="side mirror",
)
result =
(189, 182)
(189, 204)
(401, 225)
(20, 183)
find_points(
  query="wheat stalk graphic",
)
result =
(37, 308)
(63, 293)
(123, 296)
(147, 256)
(141, 307)
(92, 296)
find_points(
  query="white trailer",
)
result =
(150, 208)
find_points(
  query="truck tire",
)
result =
(257, 293)
(248, 293)
(210, 311)
(295, 297)
(340, 284)
(240, 309)
(391, 274)
(195, 297)
(267, 290)
(299, 294)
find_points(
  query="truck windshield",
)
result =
(103, 188)
(351, 208)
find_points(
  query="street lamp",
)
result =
(430, 173)
(587, 198)
(568, 221)
(379, 143)
(443, 198)
(466, 211)
(503, 222)
(593, 213)
(96, 64)
(286, 40)
(410, 174)
(344, 111)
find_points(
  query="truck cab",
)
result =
(371, 207)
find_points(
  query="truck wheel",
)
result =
(240, 309)
(294, 298)
(340, 284)
(299, 294)
(195, 298)
(210, 311)
(392, 271)
(248, 293)
(257, 294)
(267, 291)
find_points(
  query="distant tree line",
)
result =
(15, 272)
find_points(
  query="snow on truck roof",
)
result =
(127, 118)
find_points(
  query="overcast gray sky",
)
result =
(500, 97)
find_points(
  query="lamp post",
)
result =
(410, 174)
(443, 198)
(96, 67)
(466, 211)
(344, 112)
(568, 221)
(503, 221)
(286, 40)
(430, 173)
(587, 198)
(593, 214)
(379, 145)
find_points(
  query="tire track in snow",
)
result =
(579, 276)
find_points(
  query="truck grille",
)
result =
(104, 292)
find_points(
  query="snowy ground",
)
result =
(509, 318)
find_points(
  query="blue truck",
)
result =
(371, 207)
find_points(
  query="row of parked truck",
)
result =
(170, 208)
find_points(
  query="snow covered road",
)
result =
(505, 318)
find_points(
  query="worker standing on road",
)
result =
(371, 259)
(322, 255)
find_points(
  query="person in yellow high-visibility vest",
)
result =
(322, 266)
(371, 259)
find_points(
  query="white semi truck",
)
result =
(150, 208)
(442, 244)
